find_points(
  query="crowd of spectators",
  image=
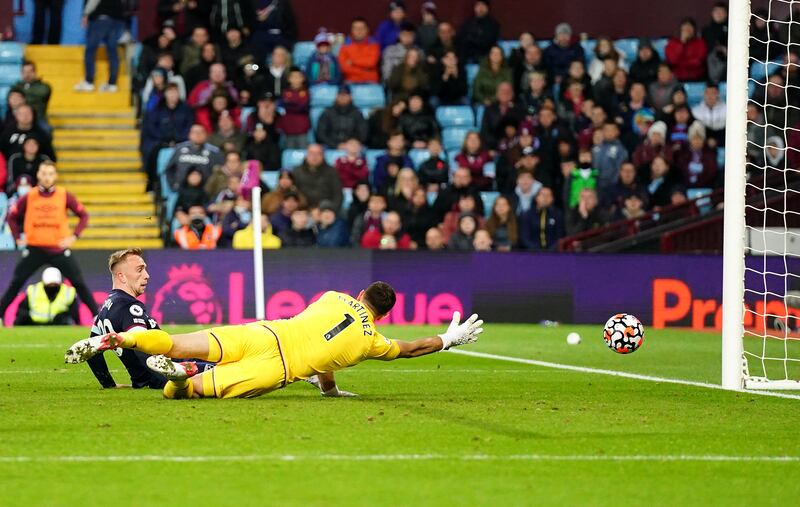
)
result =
(568, 140)
(25, 135)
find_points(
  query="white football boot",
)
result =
(86, 348)
(171, 370)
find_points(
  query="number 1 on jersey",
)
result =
(341, 326)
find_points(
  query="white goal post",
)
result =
(760, 344)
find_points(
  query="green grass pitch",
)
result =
(441, 430)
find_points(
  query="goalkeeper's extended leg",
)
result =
(181, 377)
(153, 341)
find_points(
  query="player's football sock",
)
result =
(84, 349)
(152, 341)
(179, 389)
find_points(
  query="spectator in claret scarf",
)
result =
(323, 67)
(295, 123)
(696, 161)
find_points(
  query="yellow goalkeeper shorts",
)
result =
(250, 362)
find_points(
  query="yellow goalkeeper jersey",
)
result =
(334, 332)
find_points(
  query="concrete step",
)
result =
(122, 191)
(97, 144)
(121, 202)
(43, 53)
(103, 165)
(93, 122)
(102, 177)
(128, 209)
(121, 221)
(98, 155)
(120, 232)
(109, 135)
(117, 243)
(95, 112)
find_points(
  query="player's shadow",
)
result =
(472, 423)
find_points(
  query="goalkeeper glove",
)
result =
(335, 392)
(461, 334)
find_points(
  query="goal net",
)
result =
(761, 344)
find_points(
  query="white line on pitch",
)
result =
(397, 457)
(615, 373)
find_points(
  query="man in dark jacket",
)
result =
(562, 52)
(479, 33)
(341, 121)
(195, 152)
(331, 230)
(716, 36)
(36, 91)
(542, 225)
(586, 215)
(13, 137)
(316, 180)
(272, 25)
(167, 125)
(504, 111)
(448, 197)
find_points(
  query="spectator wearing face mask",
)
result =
(199, 233)
(48, 302)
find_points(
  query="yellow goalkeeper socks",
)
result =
(179, 389)
(152, 341)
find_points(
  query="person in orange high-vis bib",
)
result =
(198, 234)
(42, 215)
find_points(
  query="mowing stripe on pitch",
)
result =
(400, 457)
(615, 373)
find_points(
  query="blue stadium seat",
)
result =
(164, 155)
(432, 197)
(368, 96)
(302, 53)
(372, 157)
(489, 169)
(508, 46)
(136, 55)
(270, 178)
(544, 43)
(479, 110)
(292, 158)
(332, 155)
(245, 114)
(366, 111)
(6, 239)
(588, 46)
(323, 95)
(694, 92)
(169, 207)
(721, 157)
(314, 115)
(472, 71)
(751, 88)
(12, 52)
(9, 73)
(628, 47)
(723, 90)
(453, 138)
(660, 45)
(347, 199)
(3, 207)
(455, 116)
(418, 156)
(451, 159)
(761, 70)
(488, 199)
(3, 96)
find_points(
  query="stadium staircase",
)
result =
(96, 142)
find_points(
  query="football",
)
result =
(623, 333)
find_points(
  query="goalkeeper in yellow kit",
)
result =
(335, 332)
